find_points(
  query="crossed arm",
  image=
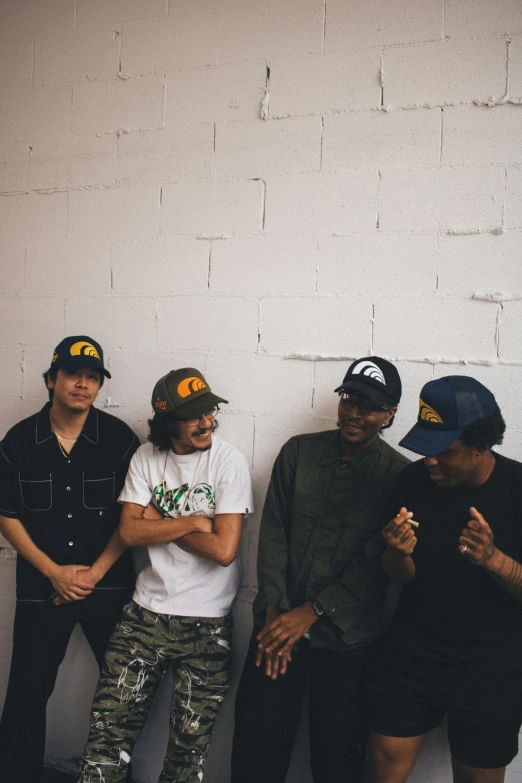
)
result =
(216, 539)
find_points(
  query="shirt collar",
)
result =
(332, 453)
(44, 431)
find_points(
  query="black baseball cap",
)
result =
(79, 353)
(184, 392)
(446, 407)
(374, 378)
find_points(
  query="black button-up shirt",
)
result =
(67, 504)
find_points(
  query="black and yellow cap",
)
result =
(184, 392)
(79, 353)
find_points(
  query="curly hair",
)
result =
(163, 426)
(485, 433)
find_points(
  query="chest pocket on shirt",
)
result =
(36, 494)
(305, 513)
(98, 492)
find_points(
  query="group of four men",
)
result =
(344, 512)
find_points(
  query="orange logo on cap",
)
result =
(84, 349)
(55, 356)
(190, 385)
(161, 404)
(427, 413)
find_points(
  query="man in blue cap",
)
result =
(455, 644)
(61, 471)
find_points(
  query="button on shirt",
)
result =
(68, 505)
(320, 536)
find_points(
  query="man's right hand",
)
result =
(275, 664)
(68, 582)
(399, 534)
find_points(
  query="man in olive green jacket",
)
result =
(321, 589)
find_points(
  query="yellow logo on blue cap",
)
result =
(83, 349)
(427, 413)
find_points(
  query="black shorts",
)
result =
(409, 693)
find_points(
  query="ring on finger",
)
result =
(463, 548)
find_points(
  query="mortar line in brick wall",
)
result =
(381, 79)
(377, 197)
(214, 151)
(209, 263)
(264, 111)
(254, 421)
(508, 65)
(324, 27)
(441, 134)
(434, 360)
(497, 330)
(258, 325)
(32, 61)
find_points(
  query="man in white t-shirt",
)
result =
(185, 497)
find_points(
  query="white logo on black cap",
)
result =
(371, 370)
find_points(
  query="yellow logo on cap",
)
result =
(190, 385)
(55, 356)
(84, 349)
(428, 413)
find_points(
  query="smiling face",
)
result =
(74, 390)
(359, 426)
(194, 435)
(459, 464)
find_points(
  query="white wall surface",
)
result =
(264, 189)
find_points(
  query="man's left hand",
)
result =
(476, 540)
(281, 634)
(89, 579)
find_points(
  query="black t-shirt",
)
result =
(452, 605)
(68, 504)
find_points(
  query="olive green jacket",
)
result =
(320, 536)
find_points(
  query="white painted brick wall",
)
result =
(263, 189)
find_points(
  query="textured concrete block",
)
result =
(443, 72)
(114, 213)
(237, 429)
(291, 28)
(322, 203)
(208, 323)
(132, 104)
(166, 155)
(12, 263)
(509, 330)
(33, 320)
(263, 265)
(273, 431)
(379, 139)
(211, 208)
(291, 325)
(14, 166)
(321, 83)
(381, 23)
(73, 161)
(118, 322)
(427, 327)
(485, 263)
(445, 198)
(29, 19)
(11, 376)
(91, 13)
(145, 368)
(515, 66)
(513, 215)
(76, 58)
(35, 114)
(226, 92)
(466, 18)
(180, 41)
(377, 263)
(160, 267)
(478, 134)
(16, 64)
(253, 148)
(36, 360)
(28, 216)
(261, 384)
(67, 267)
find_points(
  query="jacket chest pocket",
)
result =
(36, 493)
(98, 492)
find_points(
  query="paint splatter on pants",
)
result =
(142, 646)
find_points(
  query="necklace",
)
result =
(59, 434)
(191, 483)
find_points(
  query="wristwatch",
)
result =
(318, 609)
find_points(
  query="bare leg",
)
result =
(462, 773)
(391, 759)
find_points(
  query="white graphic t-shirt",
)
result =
(175, 581)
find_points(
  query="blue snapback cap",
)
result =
(446, 407)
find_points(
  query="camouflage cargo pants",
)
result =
(141, 648)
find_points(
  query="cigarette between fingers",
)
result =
(412, 522)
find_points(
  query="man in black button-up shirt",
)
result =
(61, 472)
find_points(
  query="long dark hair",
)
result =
(163, 426)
